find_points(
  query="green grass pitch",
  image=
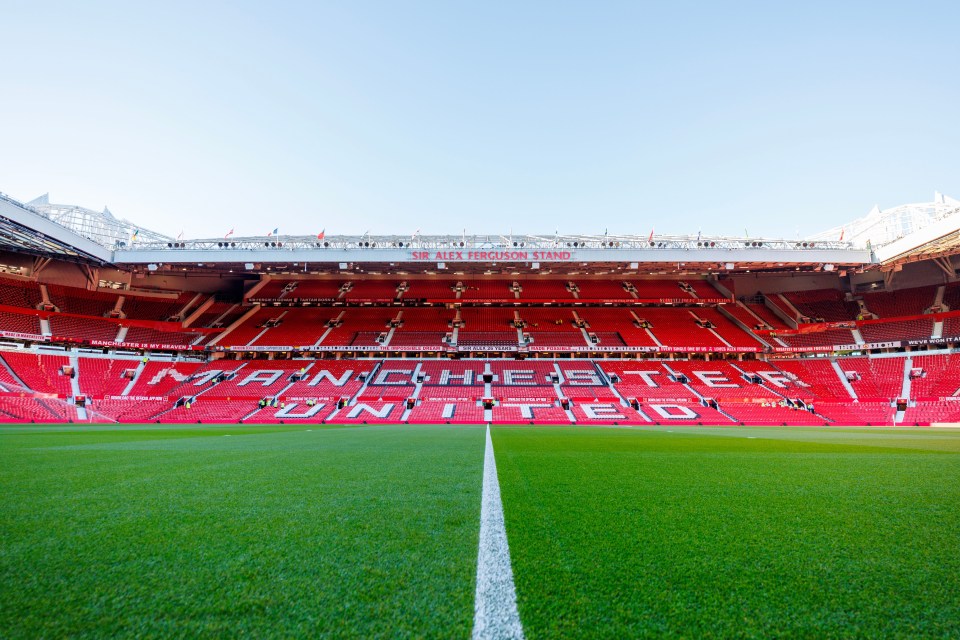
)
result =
(372, 531)
(726, 532)
(239, 531)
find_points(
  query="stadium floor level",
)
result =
(367, 531)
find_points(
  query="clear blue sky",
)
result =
(393, 116)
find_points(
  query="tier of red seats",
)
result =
(828, 304)
(771, 413)
(297, 327)
(607, 323)
(767, 315)
(81, 301)
(254, 325)
(83, 329)
(428, 411)
(529, 413)
(905, 302)
(127, 410)
(156, 378)
(27, 409)
(951, 296)
(932, 413)
(877, 381)
(678, 328)
(372, 290)
(644, 380)
(216, 315)
(41, 373)
(828, 338)
(101, 377)
(20, 323)
(940, 377)
(951, 328)
(143, 335)
(720, 381)
(858, 413)
(19, 293)
(354, 321)
(740, 312)
(148, 308)
(880, 379)
(727, 330)
(893, 331)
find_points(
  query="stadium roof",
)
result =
(71, 231)
(905, 233)
(25, 231)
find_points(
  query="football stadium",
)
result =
(314, 435)
(488, 321)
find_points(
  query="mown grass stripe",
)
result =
(495, 608)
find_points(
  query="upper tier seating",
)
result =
(83, 329)
(543, 289)
(81, 301)
(487, 290)
(951, 296)
(217, 315)
(894, 331)
(828, 304)
(905, 302)
(19, 293)
(20, 323)
(827, 338)
(605, 290)
(727, 330)
(368, 321)
(487, 327)
(299, 290)
(146, 308)
(296, 327)
(678, 328)
(615, 327)
(372, 291)
(767, 315)
(142, 335)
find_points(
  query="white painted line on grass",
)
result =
(495, 612)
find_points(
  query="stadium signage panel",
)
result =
(135, 345)
(850, 347)
(32, 337)
(922, 341)
(488, 256)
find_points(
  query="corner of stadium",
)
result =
(104, 321)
